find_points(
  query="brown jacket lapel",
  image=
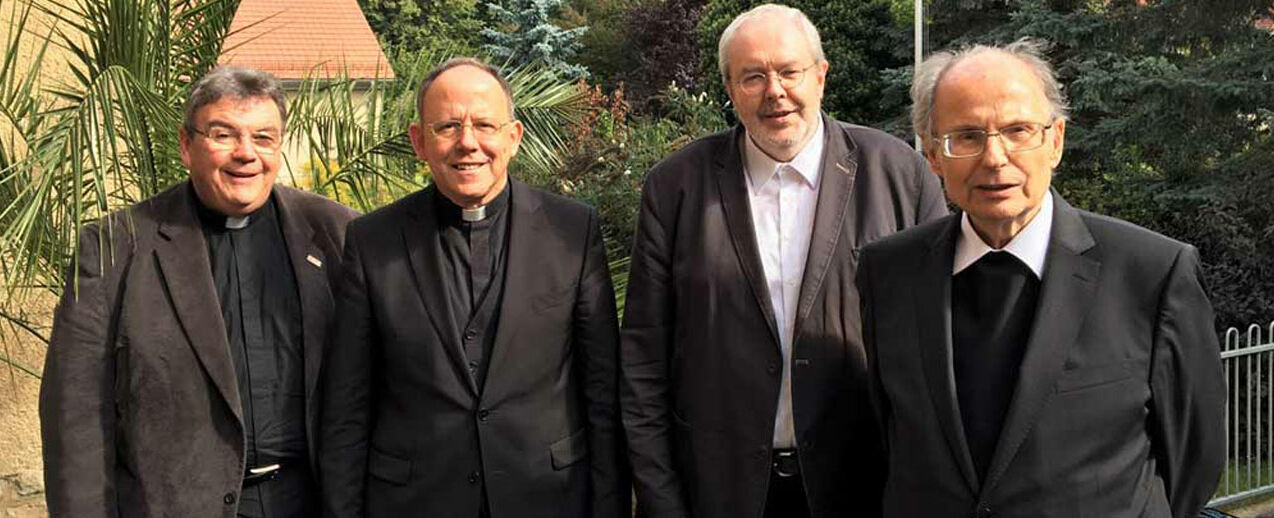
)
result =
(182, 253)
(836, 189)
(732, 184)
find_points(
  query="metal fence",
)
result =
(1248, 358)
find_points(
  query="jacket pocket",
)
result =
(1093, 376)
(569, 450)
(388, 467)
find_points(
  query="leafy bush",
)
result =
(611, 150)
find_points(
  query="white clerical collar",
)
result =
(237, 222)
(761, 168)
(474, 214)
(1030, 245)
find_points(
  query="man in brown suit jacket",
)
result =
(744, 380)
(185, 350)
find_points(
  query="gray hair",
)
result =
(461, 62)
(235, 82)
(766, 11)
(924, 86)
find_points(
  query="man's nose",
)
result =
(774, 86)
(994, 154)
(244, 150)
(468, 138)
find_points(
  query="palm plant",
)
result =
(104, 135)
(100, 136)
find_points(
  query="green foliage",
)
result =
(664, 48)
(103, 137)
(860, 40)
(611, 150)
(606, 49)
(428, 26)
(523, 35)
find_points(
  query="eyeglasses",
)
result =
(452, 130)
(756, 82)
(264, 142)
(1015, 139)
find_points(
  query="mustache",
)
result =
(773, 108)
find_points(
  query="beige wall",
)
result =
(21, 476)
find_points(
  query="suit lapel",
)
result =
(732, 183)
(182, 253)
(1070, 280)
(521, 262)
(836, 188)
(931, 295)
(308, 268)
(420, 236)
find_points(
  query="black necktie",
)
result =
(992, 308)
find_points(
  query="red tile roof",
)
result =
(290, 37)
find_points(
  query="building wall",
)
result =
(21, 473)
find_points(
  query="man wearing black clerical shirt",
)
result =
(181, 376)
(473, 372)
(473, 251)
(262, 313)
(1029, 358)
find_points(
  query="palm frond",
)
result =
(102, 134)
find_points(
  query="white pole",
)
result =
(919, 45)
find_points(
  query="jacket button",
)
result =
(473, 477)
(984, 512)
(483, 414)
(228, 499)
(772, 368)
(470, 334)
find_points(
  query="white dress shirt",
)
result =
(783, 196)
(1030, 245)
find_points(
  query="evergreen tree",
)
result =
(525, 35)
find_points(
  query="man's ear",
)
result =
(934, 157)
(1059, 143)
(183, 145)
(416, 134)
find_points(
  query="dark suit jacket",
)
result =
(407, 432)
(139, 406)
(700, 347)
(1118, 407)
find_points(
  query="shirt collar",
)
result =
(216, 221)
(451, 214)
(1030, 245)
(808, 162)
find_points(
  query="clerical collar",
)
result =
(214, 220)
(449, 212)
(472, 215)
(1030, 245)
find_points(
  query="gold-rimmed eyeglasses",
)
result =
(264, 142)
(1015, 138)
(453, 129)
(789, 77)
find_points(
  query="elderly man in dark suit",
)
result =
(1030, 358)
(474, 370)
(181, 373)
(744, 379)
